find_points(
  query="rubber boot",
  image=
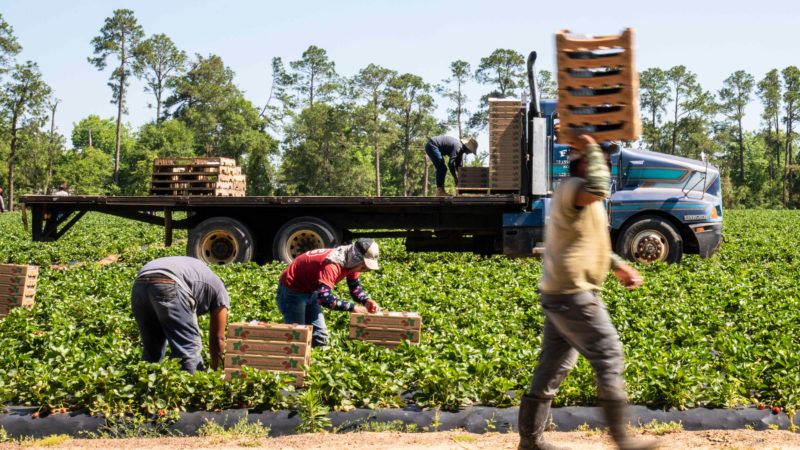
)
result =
(617, 421)
(533, 415)
(440, 192)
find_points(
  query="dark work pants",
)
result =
(578, 324)
(165, 313)
(302, 308)
(438, 162)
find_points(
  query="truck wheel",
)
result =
(221, 240)
(650, 239)
(300, 235)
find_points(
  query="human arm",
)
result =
(453, 164)
(359, 295)
(216, 335)
(327, 299)
(598, 177)
(625, 273)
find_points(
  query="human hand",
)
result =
(628, 276)
(372, 305)
(360, 309)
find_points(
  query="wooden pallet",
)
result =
(594, 73)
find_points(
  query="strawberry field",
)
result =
(716, 332)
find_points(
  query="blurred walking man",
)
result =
(576, 261)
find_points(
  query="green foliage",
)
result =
(9, 46)
(504, 71)
(100, 134)
(242, 428)
(158, 61)
(712, 332)
(313, 414)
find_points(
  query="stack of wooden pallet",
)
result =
(506, 120)
(386, 328)
(17, 287)
(274, 347)
(197, 176)
(598, 87)
(472, 180)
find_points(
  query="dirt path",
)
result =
(738, 439)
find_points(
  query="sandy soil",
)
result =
(715, 439)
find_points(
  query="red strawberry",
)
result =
(761, 407)
(776, 410)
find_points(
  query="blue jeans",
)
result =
(302, 308)
(438, 161)
(165, 313)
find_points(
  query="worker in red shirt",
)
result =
(307, 285)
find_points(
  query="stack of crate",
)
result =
(274, 347)
(197, 176)
(506, 120)
(17, 286)
(472, 180)
(598, 87)
(386, 328)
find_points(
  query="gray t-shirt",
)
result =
(448, 145)
(193, 275)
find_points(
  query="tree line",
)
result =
(320, 132)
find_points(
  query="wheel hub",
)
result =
(219, 247)
(302, 241)
(649, 246)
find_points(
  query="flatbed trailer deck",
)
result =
(235, 229)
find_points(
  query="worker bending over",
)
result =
(455, 149)
(306, 285)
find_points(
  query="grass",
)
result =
(464, 438)
(242, 428)
(661, 428)
(47, 441)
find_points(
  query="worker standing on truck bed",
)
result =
(306, 285)
(576, 260)
(168, 295)
(455, 149)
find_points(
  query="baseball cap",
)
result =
(369, 250)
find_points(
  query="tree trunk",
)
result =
(425, 177)
(12, 155)
(653, 148)
(51, 148)
(158, 107)
(377, 169)
(741, 152)
(786, 156)
(675, 124)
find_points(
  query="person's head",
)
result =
(62, 187)
(367, 249)
(578, 163)
(470, 145)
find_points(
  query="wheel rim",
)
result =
(302, 241)
(219, 247)
(649, 246)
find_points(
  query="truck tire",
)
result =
(300, 235)
(221, 240)
(649, 239)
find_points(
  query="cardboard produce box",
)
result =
(257, 347)
(19, 270)
(238, 374)
(271, 332)
(387, 319)
(384, 334)
(268, 362)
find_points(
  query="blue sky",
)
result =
(712, 38)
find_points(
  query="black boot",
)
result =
(533, 415)
(617, 421)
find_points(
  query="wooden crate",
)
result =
(598, 87)
(506, 125)
(19, 270)
(473, 177)
(278, 332)
(197, 176)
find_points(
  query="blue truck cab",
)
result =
(661, 206)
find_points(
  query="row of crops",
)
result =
(716, 332)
